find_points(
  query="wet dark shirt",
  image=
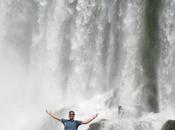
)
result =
(70, 124)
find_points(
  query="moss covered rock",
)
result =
(169, 125)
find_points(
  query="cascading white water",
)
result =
(85, 55)
(166, 68)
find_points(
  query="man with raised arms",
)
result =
(71, 124)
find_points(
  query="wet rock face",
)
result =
(94, 126)
(97, 125)
(169, 125)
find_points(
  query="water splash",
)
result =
(87, 56)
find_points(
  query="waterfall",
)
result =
(92, 56)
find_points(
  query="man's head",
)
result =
(71, 115)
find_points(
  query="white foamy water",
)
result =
(87, 56)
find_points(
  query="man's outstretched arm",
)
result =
(89, 120)
(53, 116)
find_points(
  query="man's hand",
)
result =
(52, 115)
(48, 112)
(89, 120)
(95, 116)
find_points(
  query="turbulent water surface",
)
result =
(91, 56)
